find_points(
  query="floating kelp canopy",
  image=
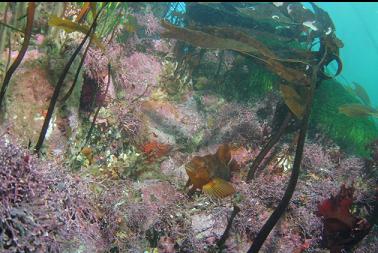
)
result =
(278, 35)
(285, 39)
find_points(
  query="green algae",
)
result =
(351, 134)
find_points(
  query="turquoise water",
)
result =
(357, 26)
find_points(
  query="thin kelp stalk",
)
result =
(226, 233)
(9, 52)
(273, 140)
(21, 54)
(98, 109)
(284, 203)
(59, 85)
(3, 28)
(8, 34)
(11, 27)
(68, 94)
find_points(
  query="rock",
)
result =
(29, 96)
(170, 122)
(158, 194)
(174, 167)
(205, 225)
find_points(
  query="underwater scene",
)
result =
(177, 127)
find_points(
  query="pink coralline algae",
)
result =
(140, 73)
(315, 157)
(149, 21)
(41, 209)
(162, 46)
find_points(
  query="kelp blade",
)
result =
(293, 100)
(70, 26)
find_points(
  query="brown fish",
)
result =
(362, 94)
(357, 110)
(210, 173)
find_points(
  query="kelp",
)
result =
(291, 23)
(70, 26)
(284, 203)
(223, 14)
(205, 40)
(83, 12)
(293, 100)
(73, 85)
(59, 85)
(230, 39)
(21, 54)
(306, 71)
(266, 13)
(89, 134)
(273, 140)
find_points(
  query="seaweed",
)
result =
(20, 56)
(243, 86)
(342, 229)
(59, 85)
(351, 134)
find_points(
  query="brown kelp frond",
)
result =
(205, 39)
(293, 100)
(231, 39)
(284, 203)
(83, 12)
(70, 26)
(264, 13)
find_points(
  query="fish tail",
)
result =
(218, 188)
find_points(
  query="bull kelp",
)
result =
(184, 127)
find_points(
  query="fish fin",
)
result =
(224, 153)
(218, 188)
